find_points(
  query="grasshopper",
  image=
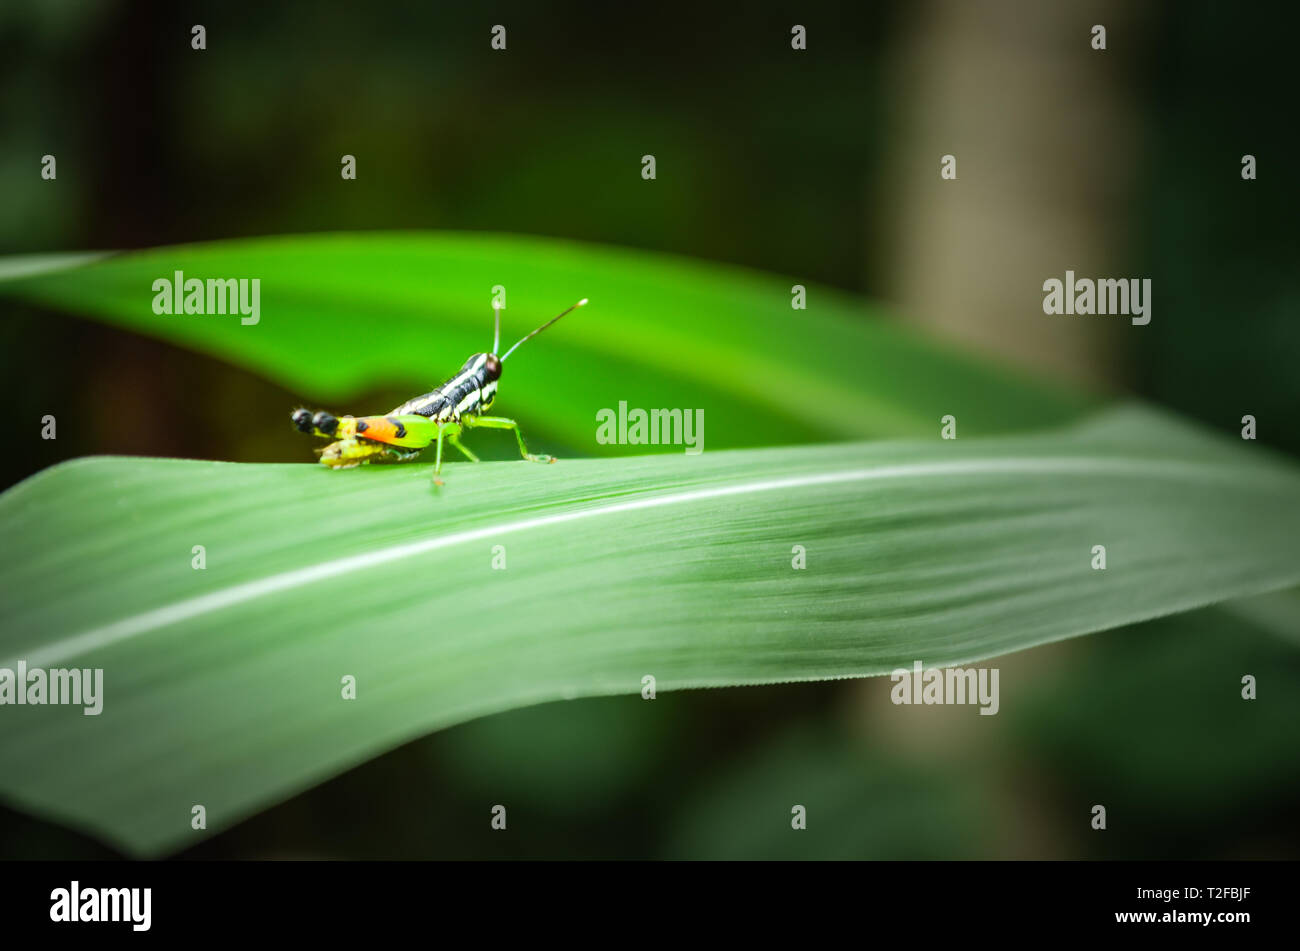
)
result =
(434, 417)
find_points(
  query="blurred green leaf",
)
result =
(343, 312)
(1277, 612)
(223, 685)
(1151, 722)
(861, 802)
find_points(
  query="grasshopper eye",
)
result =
(492, 368)
(302, 419)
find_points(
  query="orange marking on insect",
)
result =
(378, 429)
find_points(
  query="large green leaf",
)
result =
(222, 685)
(343, 312)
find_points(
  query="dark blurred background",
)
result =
(821, 164)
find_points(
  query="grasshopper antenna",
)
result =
(496, 334)
(543, 327)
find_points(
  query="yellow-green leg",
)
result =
(437, 463)
(501, 422)
(455, 441)
(449, 431)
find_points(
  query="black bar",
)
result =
(301, 900)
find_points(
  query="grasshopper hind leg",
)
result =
(352, 452)
(357, 451)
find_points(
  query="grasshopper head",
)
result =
(490, 364)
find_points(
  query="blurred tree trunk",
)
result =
(1045, 143)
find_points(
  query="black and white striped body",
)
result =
(468, 393)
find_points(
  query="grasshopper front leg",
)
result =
(501, 422)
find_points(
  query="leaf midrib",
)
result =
(144, 622)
